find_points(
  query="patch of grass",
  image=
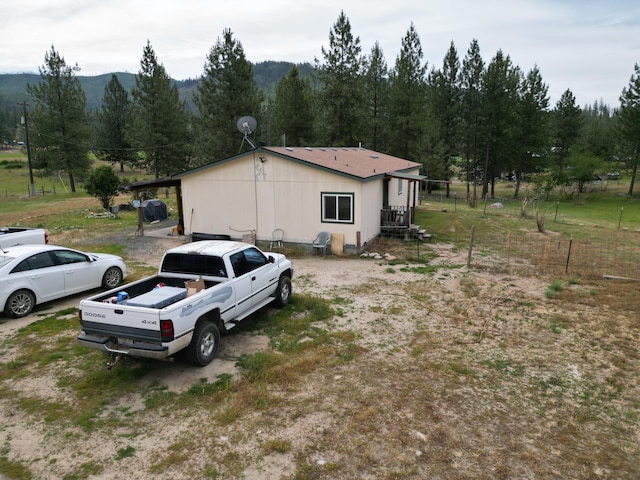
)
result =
(125, 452)
(204, 389)
(505, 366)
(12, 469)
(553, 288)
(422, 270)
(276, 445)
(85, 470)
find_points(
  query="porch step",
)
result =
(420, 232)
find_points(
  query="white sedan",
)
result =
(34, 274)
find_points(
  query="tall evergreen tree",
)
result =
(499, 108)
(566, 123)
(445, 103)
(377, 95)
(293, 110)
(159, 123)
(342, 95)
(112, 122)
(408, 99)
(598, 133)
(471, 84)
(226, 93)
(61, 133)
(532, 122)
(629, 122)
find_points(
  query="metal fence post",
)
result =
(473, 229)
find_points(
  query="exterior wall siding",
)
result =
(267, 192)
(246, 195)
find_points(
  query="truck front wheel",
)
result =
(204, 344)
(283, 293)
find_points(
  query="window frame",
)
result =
(337, 195)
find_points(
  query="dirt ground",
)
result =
(405, 320)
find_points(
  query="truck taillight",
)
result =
(46, 237)
(166, 330)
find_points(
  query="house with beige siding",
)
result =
(353, 193)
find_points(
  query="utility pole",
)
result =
(32, 188)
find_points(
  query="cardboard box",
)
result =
(194, 286)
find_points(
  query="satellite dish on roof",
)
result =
(247, 126)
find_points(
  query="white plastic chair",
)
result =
(276, 238)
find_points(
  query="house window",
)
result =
(337, 207)
(399, 186)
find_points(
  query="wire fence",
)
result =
(548, 254)
(538, 254)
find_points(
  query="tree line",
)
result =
(469, 118)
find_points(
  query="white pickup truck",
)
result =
(12, 236)
(202, 289)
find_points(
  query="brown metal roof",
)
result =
(356, 161)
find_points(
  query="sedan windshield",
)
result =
(4, 260)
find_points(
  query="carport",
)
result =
(166, 182)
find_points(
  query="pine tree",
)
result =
(408, 102)
(533, 126)
(629, 122)
(500, 84)
(377, 95)
(226, 93)
(112, 122)
(342, 95)
(61, 135)
(471, 84)
(159, 123)
(293, 110)
(566, 124)
(445, 103)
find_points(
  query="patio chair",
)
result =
(323, 240)
(276, 238)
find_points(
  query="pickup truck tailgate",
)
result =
(110, 320)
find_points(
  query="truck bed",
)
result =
(140, 293)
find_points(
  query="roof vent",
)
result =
(289, 148)
(375, 156)
(322, 149)
(308, 149)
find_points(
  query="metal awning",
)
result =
(152, 183)
(406, 176)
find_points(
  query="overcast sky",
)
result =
(587, 46)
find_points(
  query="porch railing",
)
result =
(396, 218)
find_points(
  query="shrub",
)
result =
(103, 184)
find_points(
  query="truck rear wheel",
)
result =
(204, 344)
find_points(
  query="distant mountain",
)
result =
(13, 86)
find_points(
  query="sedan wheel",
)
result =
(112, 278)
(20, 303)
